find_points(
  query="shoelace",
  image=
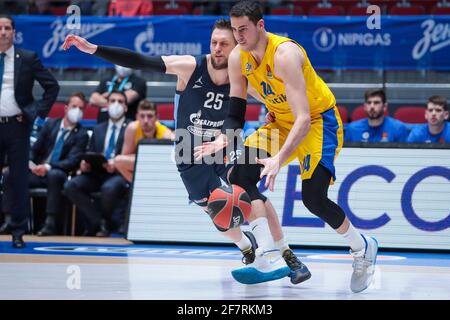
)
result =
(248, 257)
(292, 260)
(360, 264)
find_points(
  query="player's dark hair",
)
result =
(78, 95)
(247, 8)
(440, 101)
(375, 93)
(7, 16)
(147, 105)
(121, 93)
(222, 24)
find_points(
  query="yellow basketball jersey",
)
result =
(271, 88)
(159, 133)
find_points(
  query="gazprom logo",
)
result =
(145, 36)
(145, 43)
(324, 39)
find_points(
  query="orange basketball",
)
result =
(229, 207)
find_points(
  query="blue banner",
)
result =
(401, 43)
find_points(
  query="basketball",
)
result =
(229, 207)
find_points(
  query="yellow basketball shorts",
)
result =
(321, 145)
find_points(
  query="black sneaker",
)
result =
(299, 272)
(249, 254)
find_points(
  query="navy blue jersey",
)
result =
(200, 110)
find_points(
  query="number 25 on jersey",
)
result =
(214, 100)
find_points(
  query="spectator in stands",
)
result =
(437, 129)
(40, 7)
(214, 7)
(130, 8)
(84, 5)
(376, 127)
(94, 8)
(124, 81)
(270, 4)
(146, 126)
(55, 154)
(14, 7)
(107, 139)
(100, 8)
(19, 69)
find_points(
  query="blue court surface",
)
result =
(83, 268)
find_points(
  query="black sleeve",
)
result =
(130, 59)
(101, 87)
(236, 115)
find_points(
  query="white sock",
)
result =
(354, 238)
(281, 245)
(244, 243)
(261, 231)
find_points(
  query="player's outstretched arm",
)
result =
(80, 43)
(120, 56)
(178, 65)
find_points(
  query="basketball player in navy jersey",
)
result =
(201, 105)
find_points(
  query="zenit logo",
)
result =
(61, 29)
(436, 36)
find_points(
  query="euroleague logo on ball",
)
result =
(229, 207)
(236, 222)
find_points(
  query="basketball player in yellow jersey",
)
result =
(145, 127)
(307, 125)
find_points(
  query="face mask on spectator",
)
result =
(115, 111)
(123, 72)
(75, 115)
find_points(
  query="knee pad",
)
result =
(247, 177)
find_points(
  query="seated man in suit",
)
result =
(107, 139)
(146, 126)
(55, 154)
